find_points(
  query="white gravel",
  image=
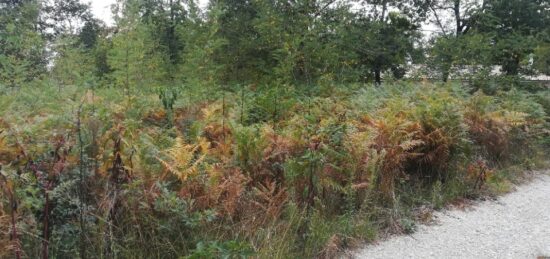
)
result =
(516, 225)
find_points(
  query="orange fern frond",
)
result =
(184, 159)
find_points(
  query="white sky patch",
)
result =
(102, 10)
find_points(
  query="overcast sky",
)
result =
(102, 10)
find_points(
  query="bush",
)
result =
(265, 172)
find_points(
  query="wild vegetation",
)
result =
(286, 129)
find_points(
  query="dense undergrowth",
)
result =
(281, 172)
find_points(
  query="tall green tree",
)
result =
(166, 17)
(135, 57)
(385, 40)
(241, 56)
(22, 55)
(307, 37)
(281, 40)
(200, 65)
(514, 28)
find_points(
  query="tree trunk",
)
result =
(13, 213)
(377, 77)
(445, 75)
(46, 221)
(456, 9)
(511, 66)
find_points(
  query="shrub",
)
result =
(278, 174)
(443, 132)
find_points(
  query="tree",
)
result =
(62, 17)
(384, 42)
(135, 56)
(74, 63)
(454, 19)
(542, 58)
(305, 37)
(89, 34)
(514, 29)
(94, 41)
(166, 17)
(241, 57)
(22, 55)
(203, 44)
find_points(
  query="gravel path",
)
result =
(517, 225)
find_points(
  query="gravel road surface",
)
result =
(516, 226)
